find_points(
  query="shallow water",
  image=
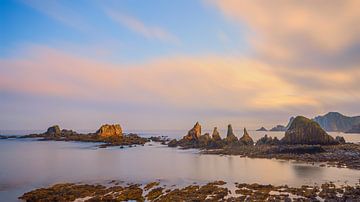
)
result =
(27, 164)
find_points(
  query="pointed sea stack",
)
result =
(305, 131)
(194, 133)
(107, 130)
(230, 136)
(216, 135)
(246, 139)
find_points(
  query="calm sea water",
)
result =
(28, 164)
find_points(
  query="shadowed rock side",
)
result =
(334, 121)
(305, 131)
(111, 135)
(262, 129)
(246, 139)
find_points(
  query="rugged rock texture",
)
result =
(194, 133)
(53, 131)
(334, 121)
(340, 140)
(246, 139)
(204, 140)
(354, 129)
(290, 122)
(305, 131)
(230, 136)
(261, 129)
(278, 128)
(107, 130)
(266, 140)
(216, 135)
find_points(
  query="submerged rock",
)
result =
(261, 129)
(305, 131)
(53, 131)
(246, 139)
(110, 131)
(194, 133)
(230, 136)
(216, 135)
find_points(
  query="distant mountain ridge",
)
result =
(337, 122)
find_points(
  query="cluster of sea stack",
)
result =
(302, 131)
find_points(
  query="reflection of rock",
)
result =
(230, 137)
(216, 135)
(354, 129)
(278, 128)
(305, 131)
(340, 139)
(110, 131)
(194, 133)
(266, 140)
(246, 139)
(53, 131)
(261, 129)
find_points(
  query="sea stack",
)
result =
(230, 136)
(216, 135)
(107, 130)
(53, 131)
(246, 139)
(305, 131)
(194, 133)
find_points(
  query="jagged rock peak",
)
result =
(246, 139)
(108, 130)
(230, 136)
(230, 131)
(194, 133)
(305, 131)
(216, 134)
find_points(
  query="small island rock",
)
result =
(110, 131)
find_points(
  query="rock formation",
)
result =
(305, 131)
(230, 136)
(278, 128)
(216, 135)
(334, 121)
(266, 140)
(204, 140)
(110, 131)
(340, 140)
(194, 133)
(53, 131)
(261, 129)
(354, 129)
(246, 139)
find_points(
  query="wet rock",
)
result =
(305, 131)
(246, 139)
(216, 135)
(230, 136)
(53, 131)
(262, 129)
(194, 133)
(107, 130)
(340, 139)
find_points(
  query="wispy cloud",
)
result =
(148, 31)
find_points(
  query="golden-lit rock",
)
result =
(110, 131)
(246, 139)
(194, 133)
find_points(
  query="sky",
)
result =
(152, 65)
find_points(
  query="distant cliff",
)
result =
(334, 121)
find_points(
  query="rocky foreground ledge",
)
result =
(109, 135)
(304, 141)
(213, 191)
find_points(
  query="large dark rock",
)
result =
(246, 139)
(230, 136)
(106, 131)
(334, 121)
(194, 133)
(305, 131)
(278, 128)
(216, 135)
(53, 131)
(354, 129)
(261, 129)
(340, 140)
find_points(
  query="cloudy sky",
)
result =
(166, 64)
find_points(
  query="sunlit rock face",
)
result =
(216, 135)
(53, 131)
(305, 131)
(246, 139)
(194, 133)
(230, 136)
(110, 131)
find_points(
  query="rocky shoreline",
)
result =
(212, 191)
